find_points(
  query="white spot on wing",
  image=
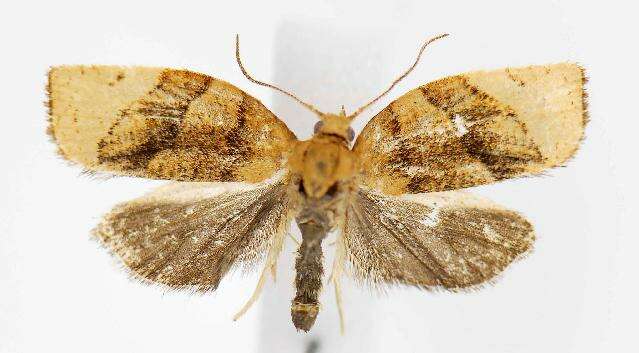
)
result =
(460, 125)
(490, 233)
(432, 218)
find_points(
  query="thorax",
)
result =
(324, 168)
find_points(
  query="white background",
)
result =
(61, 292)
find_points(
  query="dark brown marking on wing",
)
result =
(455, 96)
(392, 126)
(442, 157)
(502, 163)
(491, 138)
(237, 140)
(518, 81)
(173, 94)
(162, 112)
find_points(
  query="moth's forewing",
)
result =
(474, 129)
(449, 240)
(189, 235)
(163, 124)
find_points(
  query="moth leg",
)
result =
(271, 263)
(255, 295)
(274, 272)
(334, 277)
(338, 300)
(297, 242)
(274, 265)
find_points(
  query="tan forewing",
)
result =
(189, 235)
(473, 129)
(163, 124)
(450, 240)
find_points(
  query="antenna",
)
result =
(419, 55)
(246, 74)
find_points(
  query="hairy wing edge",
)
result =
(449, 240)
(172, 246)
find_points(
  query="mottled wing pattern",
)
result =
(163, 124)
(189, 235)
(474, 129)
(449, 240)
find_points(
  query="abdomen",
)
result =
(309, 272)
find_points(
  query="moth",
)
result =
(390, 196)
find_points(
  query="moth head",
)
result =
(335, 125)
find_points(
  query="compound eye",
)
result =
(351, 134)
(318, 126)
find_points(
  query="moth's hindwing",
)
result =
(450, 240)
(163, 124)
(189, 235)
(474, 129)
